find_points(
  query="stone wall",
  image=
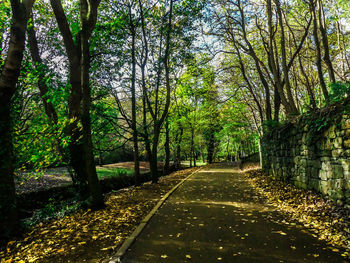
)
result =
(311, 155)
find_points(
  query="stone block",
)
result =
(345, 163)
(338, 143)
(326, 166)
(323, 175)
(347, 134)
(346, 184)
(337, 184)
(347, 194)
(337, 153)
(325, 154)
(331, 132)
(347, 175)
(345, 124)
(340, 133)
(324, 187)
(325, 159)
(314, 184)
(314, 172)
(347, 143)
(337, 171)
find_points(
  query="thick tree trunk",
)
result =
(93, 183)
(76, 149)
(9, 223)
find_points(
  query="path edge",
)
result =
(131, 239)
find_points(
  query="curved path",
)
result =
(215, 216)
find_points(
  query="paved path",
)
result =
(216, 216)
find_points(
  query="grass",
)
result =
(111, 172)
(198, 163)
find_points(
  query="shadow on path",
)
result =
(216, 216)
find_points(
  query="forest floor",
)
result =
(55, 177)
(219, 215)
(90, 236)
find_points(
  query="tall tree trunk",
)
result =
(308, 85)
(88, 14)
(167, 147)
(318, 53)
(144, 90)
(9, 223)
(159, 122)
(324, 37)
(192, 147)
(75, 147)
(293, 110)
(144, 119)
(39, 67)
(154, 155)
(178, 150)
(211, 148)
(133, 102)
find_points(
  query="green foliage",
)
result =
(270, 125)
(53, 210)
(113, 172)
(339, 91)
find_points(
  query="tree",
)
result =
(10, 72)
(80, 147)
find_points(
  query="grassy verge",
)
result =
(198, 163)
(111, 172)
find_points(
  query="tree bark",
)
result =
(324, 37)
(210, 148)
(133, 101)
(9, 222)
(318, 53)
(167, 147)
(178, 149)
(158, 121)
(193, 155)
(88, 16)
(75, 147)
(38, 65)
